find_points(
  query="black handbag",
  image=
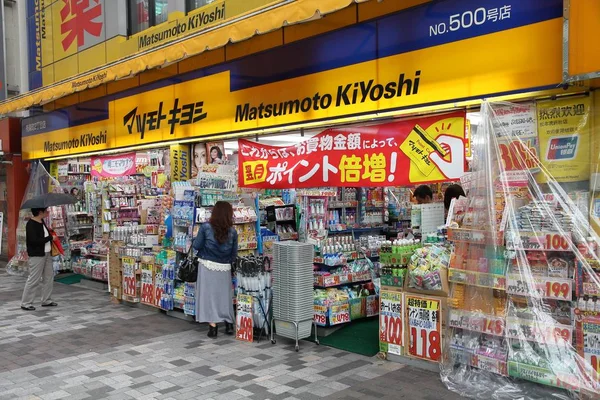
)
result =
(188, 268)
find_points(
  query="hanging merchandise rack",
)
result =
(253, 275)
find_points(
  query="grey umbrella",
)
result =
(49, 200)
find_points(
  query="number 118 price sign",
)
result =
(424, 327)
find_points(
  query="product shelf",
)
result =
(479, 279)
(340, 279)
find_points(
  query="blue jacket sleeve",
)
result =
(234, 250)
(200, 239)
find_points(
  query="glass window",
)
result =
(193, 4)
(161, 11)
(146, 13)
(139, 15)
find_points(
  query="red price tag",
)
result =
(340, 314)
(556, 242)
(425, 343)
(557, 290)
(147, 293)
(391, 330)
(320, 315)
(245, 330)
(518, 155)
(493, 326)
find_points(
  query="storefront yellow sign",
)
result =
(584, 30)
(564, 133)
(207, 106)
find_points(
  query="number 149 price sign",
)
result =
(424, 327)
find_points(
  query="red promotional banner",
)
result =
(114, 166)
(412, 151)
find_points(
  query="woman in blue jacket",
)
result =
(217, 246)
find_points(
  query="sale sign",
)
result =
(476, 322)
(588, 340)
(147, 284)
(129, 281)
(340, 314)
(420, 150)
(320, 315)
(545, 287)
(423, 316)
(538, 331)
(391, 322)
(244, 323)
(538, 241)
(114, 166)
(515, 127)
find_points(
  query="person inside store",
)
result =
(217, 246)
(423, 194)
(39, 249)
(216, 155)
(453, 191)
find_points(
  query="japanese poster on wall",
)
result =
(424, 327)
(564, 132)
(419, 150)
(515, 126)
(244, 323)
(391, 322)
(114, 166)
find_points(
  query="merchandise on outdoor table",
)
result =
(425, 267)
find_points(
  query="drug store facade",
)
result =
(362, 65)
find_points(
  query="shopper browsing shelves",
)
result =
(423, 194)
(217, 246)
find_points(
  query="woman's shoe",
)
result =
(213, 331)
(228, 328)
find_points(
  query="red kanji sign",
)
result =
(420, 150)
(78, 17)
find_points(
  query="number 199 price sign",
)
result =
(391, 322)
(424, 327)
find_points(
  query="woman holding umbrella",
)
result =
(39, 248)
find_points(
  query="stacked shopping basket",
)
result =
(293, 290)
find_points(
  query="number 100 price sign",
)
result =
(424, 327)
(391, 322)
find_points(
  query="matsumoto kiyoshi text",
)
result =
(87, 139)
(347, 94)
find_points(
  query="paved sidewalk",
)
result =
(89, 348)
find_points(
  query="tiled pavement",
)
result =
(89, 348)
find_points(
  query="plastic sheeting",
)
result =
(524, 305)
(40, 182)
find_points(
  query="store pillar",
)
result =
(17, 176)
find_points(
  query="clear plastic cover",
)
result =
(523, 316)
(40, 182)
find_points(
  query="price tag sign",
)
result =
(546, 287)
(391, 322)
(477, 322)
(489, 364)
(129, 284)
(147, 285)
(423, 317)
(158, 286)
(340, 314)
(320, 315)
(538, 241)
(244, 324)
(517, 328)
(372, 306)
